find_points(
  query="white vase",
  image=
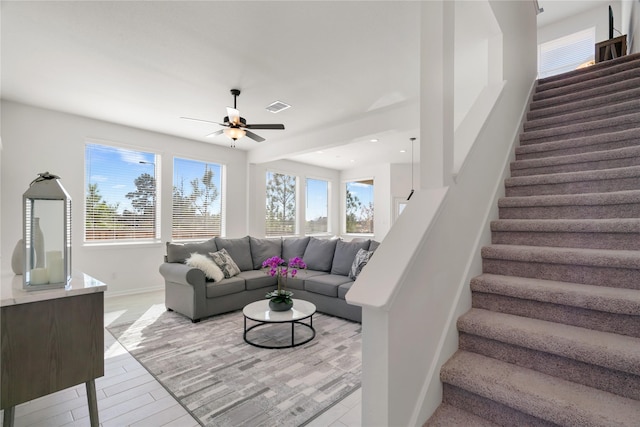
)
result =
(17, 258)
(38, 243)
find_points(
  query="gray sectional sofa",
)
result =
(325, 282)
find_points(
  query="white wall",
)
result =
(258, 188)
(37, 140)
(598, 16)
(631, 24)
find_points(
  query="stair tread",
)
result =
(585, 199)
(593, 156)
(610, 66)
(629, 90)
(631, 119)
(557, 255)
(558, 119)
(537, 394)
(579, 86)
(623, 135)
(578, 176)
(609, 350)
(608, 225)
(449, 416)
(592, 297)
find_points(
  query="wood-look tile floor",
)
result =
(129, 396)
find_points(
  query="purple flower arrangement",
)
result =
(278, 267)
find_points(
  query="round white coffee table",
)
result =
(259, 312)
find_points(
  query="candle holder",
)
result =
(46, 234)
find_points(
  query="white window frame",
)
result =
(296, 217)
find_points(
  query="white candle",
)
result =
(56, 271)
(39, 276)
(53, 255)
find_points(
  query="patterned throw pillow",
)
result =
(361, 259)
(225, 262)
(206, 264)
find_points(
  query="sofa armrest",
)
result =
(182, 274)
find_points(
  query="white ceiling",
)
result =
(349, 69)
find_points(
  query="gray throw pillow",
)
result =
(263, 249)
(225, 262)
(239, 249)
(319, 254)
(345, 254)
(374, 245)
(362, 258)
(295, 247)
(179, 252)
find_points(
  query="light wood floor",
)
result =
(129, 396)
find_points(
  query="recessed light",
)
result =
(403, 151)
(319, 151)
(374, 140)
(352, 161)
(277, 106)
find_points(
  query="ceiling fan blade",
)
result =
(255, 137)
(216, 133)
(234, 116)
(201, 120)
(266, 126)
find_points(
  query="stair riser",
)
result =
(631, 210)
(558, 121)
(585, 104)
(588, 275)
(562, 134)
(579, 149)
(623, 324)
(489, 409)
(616, 382)
(581, 187)
(601, 83)
(576, 167)
(620, 241)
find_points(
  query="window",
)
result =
(566, 53)
(281, 204)
(359, 206)
(121, 194)
(316, 213)
(197, 200)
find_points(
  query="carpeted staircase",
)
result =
(553, 336)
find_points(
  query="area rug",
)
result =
(223, 381)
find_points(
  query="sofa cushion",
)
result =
(294, 247)
(232, 285)
(298, 281)
(256, 279)
(319, 254)
(345, 254)
(179, 252)
(239, 249)
(326, 284)
(343, 289)
(207, 265)
(263, 249)
(361, 259)
(226, 263)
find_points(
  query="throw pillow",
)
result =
(319, 254)
(345, 254)
(179, 252)
(361, 259)
(294, 247)
(226, 263)
(206, 264)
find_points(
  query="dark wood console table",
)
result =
(51, 340)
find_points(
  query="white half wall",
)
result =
(38, 140)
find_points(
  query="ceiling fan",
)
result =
(235, 126)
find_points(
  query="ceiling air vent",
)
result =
(277, 106)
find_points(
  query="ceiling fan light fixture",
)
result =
(235, 133)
